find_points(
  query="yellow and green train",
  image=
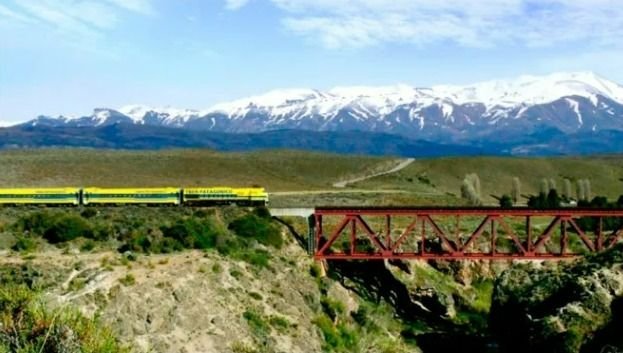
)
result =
(93, 196)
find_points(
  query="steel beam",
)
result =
(494, 238)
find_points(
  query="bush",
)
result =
(28, 326)
(88, 213)
(338, 338)
(55, 227)
(36, 223)
(262, 212)
(139, 243)
(279, 323)
(88, 245)
(216, 268)
(168, 245)
(332, 307)
(128, 280)
(102, 232)
(66, 228)
(360, 316)
(200, 213)
(193, 233)
(315, 270)
(543, 201)
(263, 230)
(25, 244)
(506, 201)
(256, 322)
(255, 257)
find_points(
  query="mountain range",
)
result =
(526, 115)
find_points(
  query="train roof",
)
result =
(131, 189)
(38, 190)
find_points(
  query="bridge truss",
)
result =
(462, 233)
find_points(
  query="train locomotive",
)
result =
(96, 196)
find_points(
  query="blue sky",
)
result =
(69, 56)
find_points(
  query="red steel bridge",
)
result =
(356, 233)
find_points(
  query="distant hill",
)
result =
(129, 136)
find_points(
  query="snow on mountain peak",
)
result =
(501, 99)
(524, 90)
(100, 115)
(137, 113)
(273, 99)
(529, 89)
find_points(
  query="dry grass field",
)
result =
(445, 175)
(296, 178)
(276, 170)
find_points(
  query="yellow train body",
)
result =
(253, 196)
(224, 195)
(69, 196)
(165, 195)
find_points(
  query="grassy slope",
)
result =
(425, 182)
(446, 174)
(194, 301)
(275, 170)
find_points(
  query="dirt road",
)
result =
(402, 165)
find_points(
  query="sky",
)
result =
(70, 56)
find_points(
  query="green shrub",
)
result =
(263, 230)
(257, 257)
(256, 322)
(28, 326)
(255, 295)
(66, 228)
(360, 316)
(103, 231)
(262, 212)
(236, 274)
(315, 270)
(128, 280)
(36, 223)
(216, 268)
(88, 245)
(88, 212)
(338, 338)
(332, 307)
(193, 233)
(200, 213)
(280, 323)
(506, 201)
(227, 245)
(77, 284)
(140, 243)
(241, 347)
(168, 245)
(24, 244)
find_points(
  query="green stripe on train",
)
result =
(130, 196)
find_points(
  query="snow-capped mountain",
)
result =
(506, 109)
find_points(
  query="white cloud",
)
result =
(359, 23)
(140, 6)
(69, 21)
(85, 20)
(235, 4)
(7, 13)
